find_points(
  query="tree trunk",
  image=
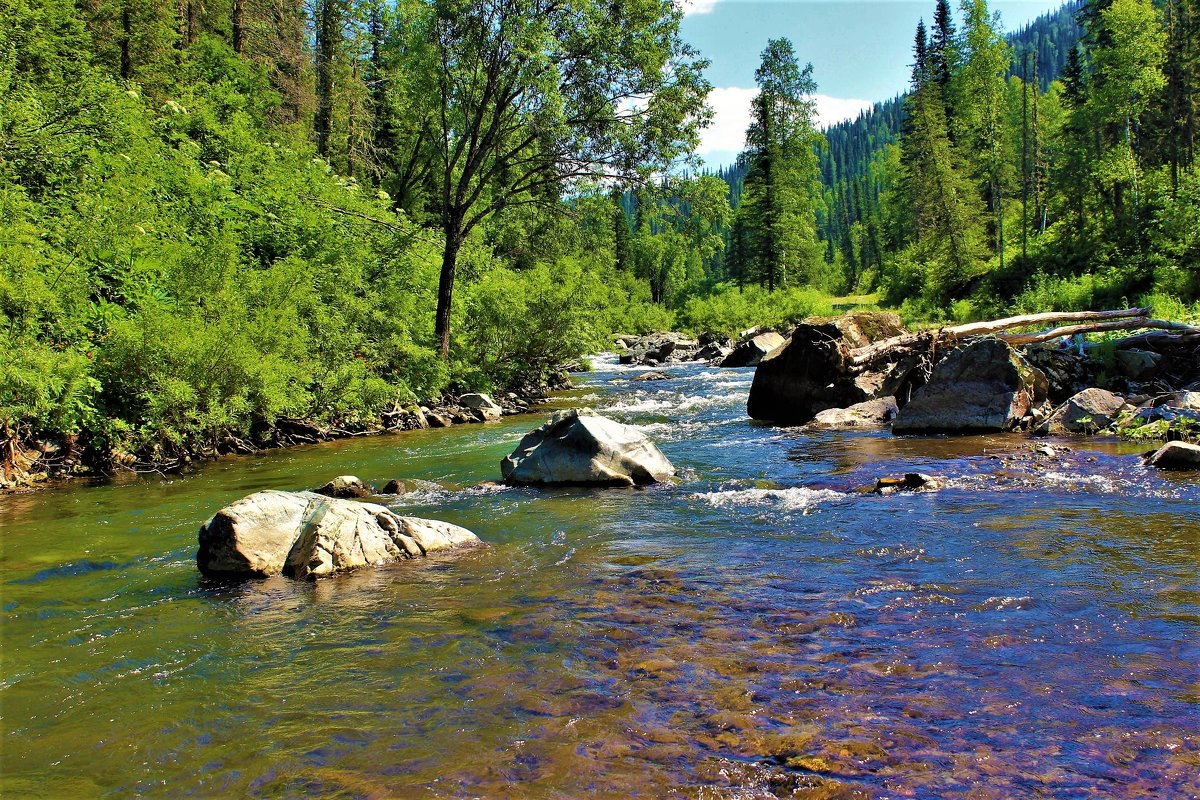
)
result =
(126, 41)
(446, 288)
(328, 25)
(239, 21)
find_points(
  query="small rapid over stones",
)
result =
(765, 625)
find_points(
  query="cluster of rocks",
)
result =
(329, 530)
(983, 385)
(746, 350)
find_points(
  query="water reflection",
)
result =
(757, 630)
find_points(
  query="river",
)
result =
(759, 629)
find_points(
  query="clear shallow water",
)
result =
(758, 630)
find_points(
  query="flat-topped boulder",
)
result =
(750, 352)
(578, 446)
(307, 535)
(983, 386)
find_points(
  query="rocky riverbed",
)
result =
(772, 622)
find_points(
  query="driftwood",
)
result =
(1130, 319)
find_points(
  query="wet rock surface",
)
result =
(581, 447)
(650, 376)
(307, 535)
(867, 414)
(345, 487)
(1176, 455)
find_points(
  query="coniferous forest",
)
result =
(217, 216)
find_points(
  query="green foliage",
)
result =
(728, 309)
(526, 323)
(777, 215)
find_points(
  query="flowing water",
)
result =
(758, 629)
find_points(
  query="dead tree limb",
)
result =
(1018, 339)
(1133, 318)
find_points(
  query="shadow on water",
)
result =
(757, 629)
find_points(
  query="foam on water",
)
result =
(796, 498)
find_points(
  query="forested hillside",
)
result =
(851, 165)
(219, 216)
(1054, 167)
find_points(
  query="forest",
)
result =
(220, 215)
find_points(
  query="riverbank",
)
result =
(34, 464)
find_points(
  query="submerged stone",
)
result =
(345, 486)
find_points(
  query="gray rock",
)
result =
(1138, 364)
(1187, 400)
(653, 375)
(810, 372)
(1176, 455)
(345, 486)
(655, 348)
(437, 419)
(1089, 411)
(867, 414)
(483, 404)
(750, 352)
(713, 351)
(307, 535)
(580, 447)
(982, 386)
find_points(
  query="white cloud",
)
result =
(697, 6)
(731, 116)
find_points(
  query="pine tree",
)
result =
(978, 86)
(939, 201)
(783, 173)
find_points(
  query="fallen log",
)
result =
(1018, 339)
(865, 355)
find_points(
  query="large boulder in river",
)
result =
(753, 350)
(810, 371)
(982, 386)
(307, 535)
(580, 447)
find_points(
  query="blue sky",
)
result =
(860, 51)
